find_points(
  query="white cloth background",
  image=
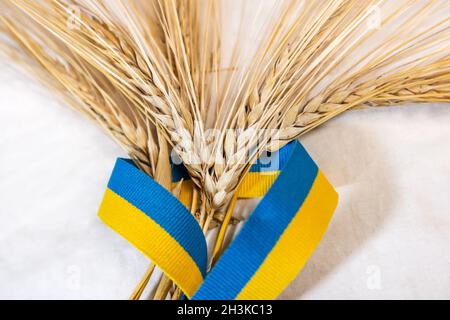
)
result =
(389, 237)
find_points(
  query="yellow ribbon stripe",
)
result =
(296, 244)
(256, 184)
(253, 185)
(152, 240)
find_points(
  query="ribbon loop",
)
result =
(271, 249)
(279, 236)
(157, 224)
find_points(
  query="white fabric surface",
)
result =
(389, 238)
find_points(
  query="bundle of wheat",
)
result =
(168, 76)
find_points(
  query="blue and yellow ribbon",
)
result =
(157, 224)
(266, 255)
